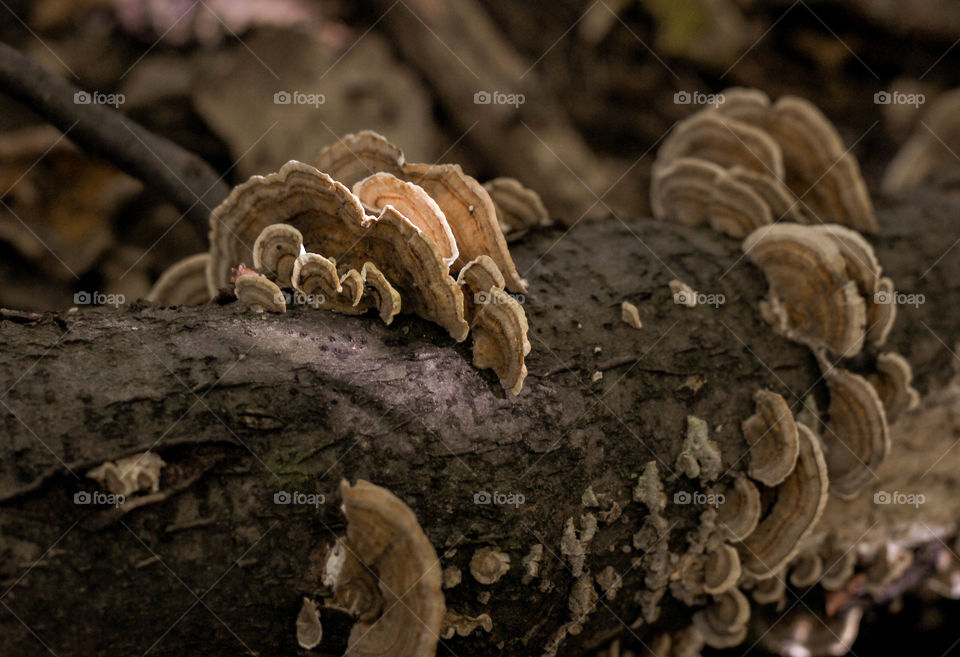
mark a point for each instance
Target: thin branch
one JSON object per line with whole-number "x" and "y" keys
{"x": 176, "y": 174}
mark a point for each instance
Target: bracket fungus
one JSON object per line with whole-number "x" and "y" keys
{"x": 796, "y": 508}
{"x": 353, "y": 157}
{"x": 893, "y": 383}
{"x": 466, "y": 205}
{"x": 811, "y": 299}
{"x": 721, "y": 570}
{"x": 315, "y": 275}
{"x": 740, "y": 511}
{"x": 497, "y": 321}
{"x": 694, "y": 192}
{"x": 857, "y": 438}
{"x": 488, "y": 565}
{"x": 518, "y": 208}
{"x": 333, "y": 223}
{"x": 707, "y": 135}
{"x": 771, "y": 590}
{"x": 806, "y": 569}
{"x": 771, "y": 435}
{"x": 723, "y": 623}
{"x": 184, "y": 283}
{"x": 817, "y": 166}
{"x": 748, "y": 162}
{"x": 387, "y": 556}
{"x": 259, "y": 293}
{"x": 275, "y": 250}
{"x": 393, "y": 245}
{"x": 383, "y": 189}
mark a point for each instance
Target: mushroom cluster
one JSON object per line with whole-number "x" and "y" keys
{"x": 768, "y": 172}
{"x": 748, "y": 162}
{"x": 361, "y": 230}
{"x": 827, "y": 292}
{"x": 385, "y": 573}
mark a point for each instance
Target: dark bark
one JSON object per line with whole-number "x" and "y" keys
{"x": 242, "y": 406}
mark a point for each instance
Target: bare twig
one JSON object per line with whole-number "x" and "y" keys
{"x": 178, "y": 175}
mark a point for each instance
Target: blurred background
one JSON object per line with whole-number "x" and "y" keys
{"x": 570, "y": 96}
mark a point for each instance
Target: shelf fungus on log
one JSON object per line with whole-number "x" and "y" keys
{"x": 882, "y": 313}
{"x": 275, "y": 250}
{"x": 723, "y": 623}
{"x": 387, "y": 574}
{"x": 893, "y": 383}
{"x": 857, "y": 438}
{"x": 259, "y": 293}
{"x": 784, "y": 206}
{"x": 465, "y": 204}
{"x": 315, "y": 276}
{"x": 771, "y": 590}
{"x": 771, "y": 435}
{"x": 786, "y": 154}
{"x": 818, "y": 168}
{"x": 811, "y": 299}
{"x": 184, "y": 283}
{"x": 518, "y": 208}
{"x": 721, "y": 570}
{"x": 333, "y": 223}
{"x": 497, "y": 322}
{"x": 806, "y": 569}
{"x": 383, "y": 189}
{"x": 740, "y": 511}
{"x": 796, "y": 507}
{"x": 696, "y": 192}
{"x": 864, "y": 270}
{"x": 353, "y": 157}
{"x": 307, "y": 230}
{"x": 707, "y": 135}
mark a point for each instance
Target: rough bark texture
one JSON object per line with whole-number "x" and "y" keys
{"x": 243, "y": 406}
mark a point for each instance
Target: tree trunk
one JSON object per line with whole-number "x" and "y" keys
{"x": 242, "y": 406}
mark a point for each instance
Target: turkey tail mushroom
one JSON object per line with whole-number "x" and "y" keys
{"x": 385, "y": 539}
